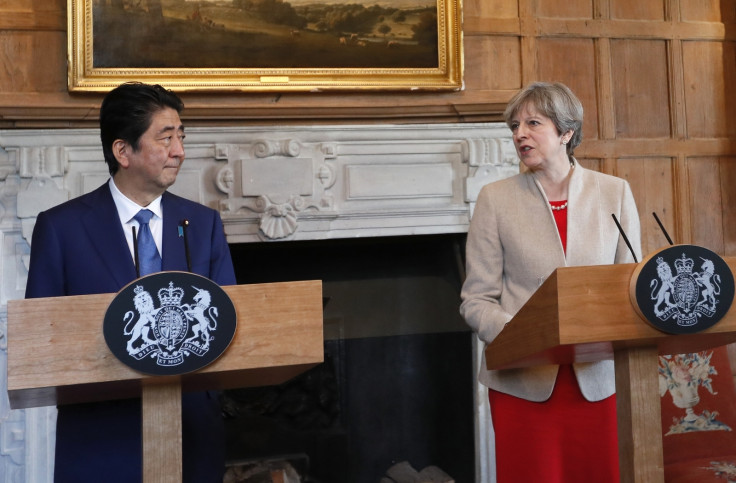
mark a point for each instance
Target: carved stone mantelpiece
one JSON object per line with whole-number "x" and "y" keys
{"x": 357, "y": 181}
{"x": 269, "y": 184}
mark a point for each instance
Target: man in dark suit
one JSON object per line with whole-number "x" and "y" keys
{"x": 86, "y": 246}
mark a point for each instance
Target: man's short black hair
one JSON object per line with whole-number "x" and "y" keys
{"x": 126, "y": 114}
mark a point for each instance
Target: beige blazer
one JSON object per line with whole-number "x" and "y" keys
{"x": 513, "y": 244}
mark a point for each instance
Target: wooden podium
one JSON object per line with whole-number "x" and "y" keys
{"x": 57, "y": 355}
{"x": 584, "y": 314}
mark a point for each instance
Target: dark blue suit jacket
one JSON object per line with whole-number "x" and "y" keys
{"x": 79, "y": 248}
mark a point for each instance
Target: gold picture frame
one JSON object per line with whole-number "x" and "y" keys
{"x": 241, "y": 45}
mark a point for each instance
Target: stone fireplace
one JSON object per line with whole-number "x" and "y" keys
{"x": 378, "y": 212}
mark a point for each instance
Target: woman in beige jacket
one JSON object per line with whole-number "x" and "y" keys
{"x": 554, "y": 214}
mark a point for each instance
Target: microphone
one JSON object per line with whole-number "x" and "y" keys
{"x": 626, "y": 239}
{"x": 661, "y": 227}
{"x": 183, "y": 233}
{"x": 135, "y": 254}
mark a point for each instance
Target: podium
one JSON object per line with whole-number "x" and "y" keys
{"x": 57, "y": 354}
{"x": 584, "y": 314}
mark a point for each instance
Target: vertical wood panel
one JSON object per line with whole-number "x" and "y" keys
{"x": 678, "y": 124}
{"x": 590, "y": 163}
{"x": 701, "y": 10}
{"x": 43, "y": 64}
{"x": 681, "y": 204}
{"x": 564, "y": 8}
{"x": 672, "y": 10}
{"x": 502, "y": 56}
{"x": 33, "y": 5}
{"x": 490, "y": 8}
{"x": 605, "y": 82}
{"x": 641, "y": 97}
{"x": 527, "y": 23}
{"x": 572, "y": 61}
{"x": 709, "y": 110}
{"x": 651, "y": 181}
{"x": 638, "y": 9}
{"x": 706, "y": 204}
{"x": 727, "y": 175}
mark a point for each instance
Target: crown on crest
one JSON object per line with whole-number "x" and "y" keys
{"x": 684, "y": 264}
{"x": 171, "y": 295}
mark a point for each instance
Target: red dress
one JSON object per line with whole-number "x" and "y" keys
{"x": 565, "y": 439}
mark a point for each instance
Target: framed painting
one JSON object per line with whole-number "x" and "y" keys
{"x": 266, "y": 45}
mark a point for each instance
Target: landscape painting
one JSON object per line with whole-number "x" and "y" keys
{"x": 266, "y": 44}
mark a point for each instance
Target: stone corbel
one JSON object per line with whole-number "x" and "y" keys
{"x": 41, "y": 165}
{"x": 490, "y": 160}
{"x": 326, "y": 172}
{"x": 44, "y": 161}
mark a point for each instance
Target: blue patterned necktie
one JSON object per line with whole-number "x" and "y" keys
{"x": 148, "y": 258}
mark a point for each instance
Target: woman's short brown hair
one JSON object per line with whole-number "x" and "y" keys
{"x": 555, "y": 101}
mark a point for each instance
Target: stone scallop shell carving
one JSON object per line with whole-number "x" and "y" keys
{"x": 278, "y": 221}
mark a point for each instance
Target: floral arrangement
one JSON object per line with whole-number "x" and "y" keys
{"x": 681, "y": 375}
{"x": 692, "y": 369}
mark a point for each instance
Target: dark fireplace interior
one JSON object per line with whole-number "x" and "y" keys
{"x": 397, "y": 382}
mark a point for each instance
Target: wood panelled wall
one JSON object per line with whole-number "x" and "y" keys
{"x": 656, "y": 78}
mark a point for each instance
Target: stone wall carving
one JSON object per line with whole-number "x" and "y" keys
{"x": 358, "y": 181}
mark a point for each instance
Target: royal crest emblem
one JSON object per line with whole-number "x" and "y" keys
{"x": 693, "y": 296}
{"x": 184, "y": 323}
{"x": 687, "y": 295}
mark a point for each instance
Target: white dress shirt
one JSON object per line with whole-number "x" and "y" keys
{"x": 127, "y": 209}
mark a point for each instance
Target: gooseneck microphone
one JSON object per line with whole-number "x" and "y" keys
{"x": 626, "y": 239}
{"x": 183, "y": 233}
{"x": 661, "y": 227}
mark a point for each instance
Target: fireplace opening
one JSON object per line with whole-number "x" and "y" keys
{"x": 397, "y": 382}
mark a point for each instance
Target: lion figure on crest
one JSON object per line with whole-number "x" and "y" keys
{"x": 663, "y": 292}
{"x": 142, "y": 327}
